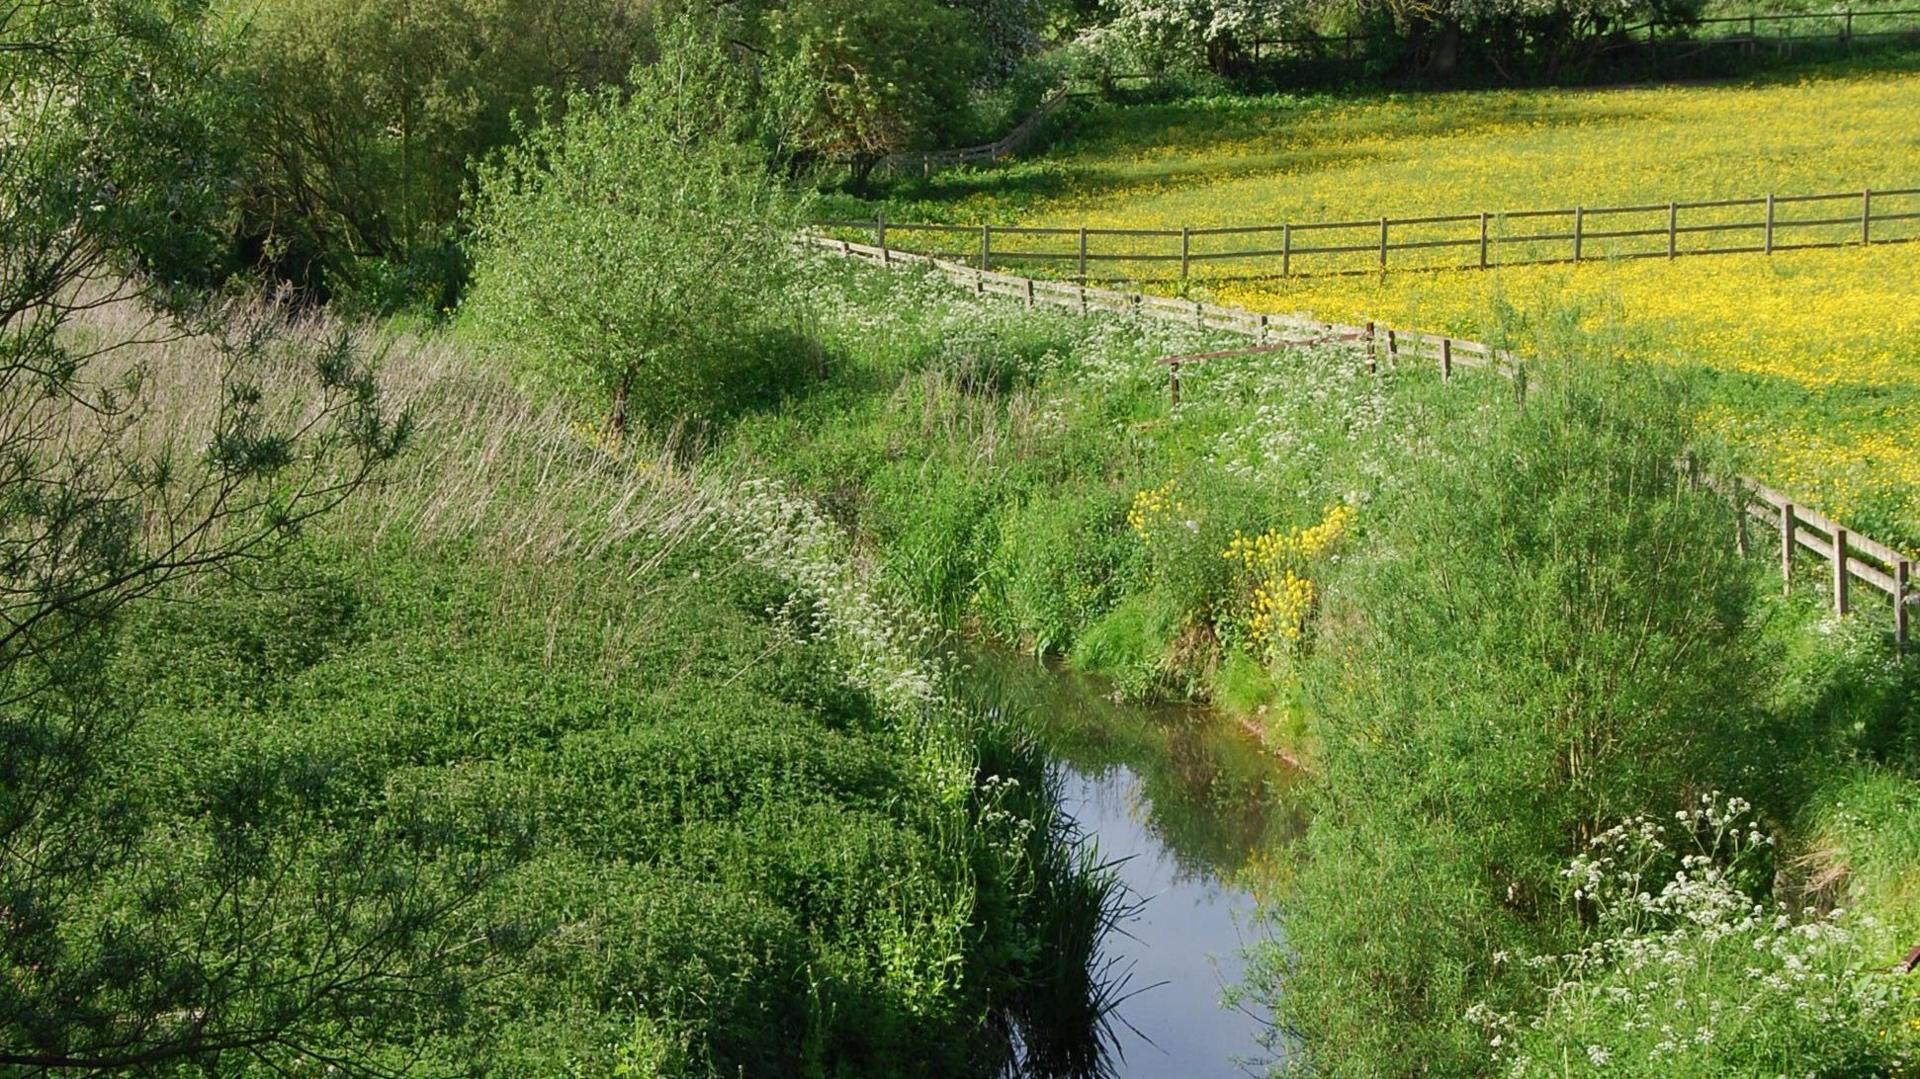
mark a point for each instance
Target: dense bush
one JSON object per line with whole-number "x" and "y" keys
{"x": 1536, "y": 646}
{"x": 359, "y": 124}
{"x": 632, "y": 249}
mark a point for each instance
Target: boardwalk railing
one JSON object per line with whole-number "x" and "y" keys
{"x": 1761, "y": 224}
{"x": 1851, "y": 556}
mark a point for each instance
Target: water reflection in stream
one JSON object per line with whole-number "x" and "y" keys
{"x": 1183, "y": 801}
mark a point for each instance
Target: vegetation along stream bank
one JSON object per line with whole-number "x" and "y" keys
{"x": 483, "y": 594}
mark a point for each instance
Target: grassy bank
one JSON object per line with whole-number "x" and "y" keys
{"x": 1530, "y": 683}
{"x": 1808, "y": 353}
{"x": 672, "y": 790}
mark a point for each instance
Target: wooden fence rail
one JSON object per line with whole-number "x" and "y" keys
{"x": 1850, "y": 556}
{"x": 1761, "y": 224}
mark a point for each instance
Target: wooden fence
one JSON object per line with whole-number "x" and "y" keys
{"x": 1750, "y": 34}
{"x": 1850, "y": 556}
{"x": 1761, "y": 224}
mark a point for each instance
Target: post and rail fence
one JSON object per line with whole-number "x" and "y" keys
{"x": 1850, "y": 556}
{"x": 1760, "y": 224}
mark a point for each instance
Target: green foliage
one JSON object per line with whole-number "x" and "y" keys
{"x": 1529, "y": 655}
{"x": 1686, "y": 972}
{"x": 1131, "y": 645}
{"x": 633, "y": 248}
{"x": 362, "y": 120}
{"x": 893, "y": 73}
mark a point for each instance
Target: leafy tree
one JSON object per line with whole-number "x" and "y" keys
{"x": 632, "y": 246}
{"x": 885, "y": 75}
{"x": 365, "y": 115}
{"x": 1216, "y": 32}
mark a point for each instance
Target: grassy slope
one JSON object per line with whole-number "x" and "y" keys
{"x": 1812, "y": 352}
{"x": 726, "y": 844}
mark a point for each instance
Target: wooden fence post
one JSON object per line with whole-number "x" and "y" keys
{"x": 1673, "y": 228}
{"x": 1083, "y": 254}
{"x": 1029, "y": 292}
{"x": 1866, "y": 217}
{"x": 1263, "y": 329}
{"x": 1393, "y": 346}
{"x": 1370, "y": 349}
{"x": 1769, "y": 234}
{"x": 1483, "y": 240}
{"x": 1839, "y": 570}
{"x": 1446, "y": 359}
{"x": 1786, "y": 549}
{"x": 1173, "y": 381}
{"x": 1902, "y": 570}
{"x": 986, "y": 246}
{"x": 1383, "y": 245}
{"x": 1579, "y": 229}
{"x": 1740, "y": 516}
{"x": 1186, "y": 244}
{"x": 1199, "y": 315}
{"x": 880, "y": 231}
{"x": 1286, "y": 250}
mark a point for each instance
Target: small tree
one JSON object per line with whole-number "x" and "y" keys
{"x": 632, "y": 247}
{"x": 888, "y": 75}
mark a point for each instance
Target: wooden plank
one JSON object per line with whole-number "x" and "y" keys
{"x": 1787, "y": 527}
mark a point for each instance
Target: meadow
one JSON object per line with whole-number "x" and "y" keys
{"x": 1810, "y": 353}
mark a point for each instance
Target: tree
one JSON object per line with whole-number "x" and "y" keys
{"x": 274, "y": 937}
{"x": 365, "y": 115}
{"x": 1215, "y": 32}
{"x": 886, "y": 75}
{"x": 631, "y": 246}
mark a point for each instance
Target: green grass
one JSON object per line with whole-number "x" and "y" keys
{"x": 1808, "y": 355}
{"x": 684, "y": 826}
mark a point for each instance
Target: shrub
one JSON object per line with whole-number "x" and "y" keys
{"x": 633, "y": 248}
{"x": 1535, "y": 644}
{"x": 1686, "y": 973}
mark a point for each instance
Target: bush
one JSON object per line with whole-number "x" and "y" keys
{"x": 636, "y": 248}
{"x": 1536, "y": 645}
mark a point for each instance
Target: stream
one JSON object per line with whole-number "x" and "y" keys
{"x": 1183, "y": 803}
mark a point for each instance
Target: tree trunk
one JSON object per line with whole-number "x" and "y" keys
{"x": 617, "y": 423}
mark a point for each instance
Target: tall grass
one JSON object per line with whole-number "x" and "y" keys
{"x": 757, "y": 836}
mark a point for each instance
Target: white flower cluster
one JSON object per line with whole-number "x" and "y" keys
{"x": 1684, "y": 956}
{"x": 884, "y": 645}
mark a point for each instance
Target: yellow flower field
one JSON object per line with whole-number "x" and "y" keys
{"x": 1815, "y": 354}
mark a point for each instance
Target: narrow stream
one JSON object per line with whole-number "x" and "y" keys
{"x": 1183, "y": 802}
